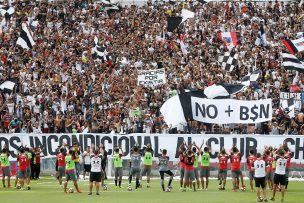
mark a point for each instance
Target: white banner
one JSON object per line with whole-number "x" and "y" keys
{"x": 224, "y": 111}
{"x": 297, "y": 98}
{"x": 50, "y": 142}
{"x": 151, "y": 78}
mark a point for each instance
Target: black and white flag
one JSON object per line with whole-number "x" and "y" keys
{"x": 228, "y": 61}
{"x": 291, "y": 62}
{"x": 193, "y": 106}
{"x": 25, "y": 39}
{"x": 222, "y": 90}
{"x": 288, "y": 106}
{"x": 253, "y": 77}
{"x": 7, "y": 11}
{"x": 100, "y": 52}
{"x": 261, "y": 39}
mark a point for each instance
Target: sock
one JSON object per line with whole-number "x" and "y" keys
{"x": 163, "y": 184}
{"x": 170, "y": 181}
{"x": 137, "y": 182}
{"x": 130, "y": 179}
{"x": 220, "y": 182}
{"x": 119, "y": 183}
{"x": 115, "y": 182}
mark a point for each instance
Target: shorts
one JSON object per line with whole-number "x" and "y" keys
{"x": 70, "y": 175}
{"x": 223, "y": 173}
{"x": 22, "y": 174}
{"x": 260, "y": 182}
{"x": 87, "y": 168}
{"x": 189, "y": 175}
{"x": 118, "y": 172}
{"x": 28, "y": 172}
{"x": 162, "y": 174}
{"x": 182, "y": 172}
{"x": 95, "y": 176}
{"x": 279, "y": 179}
{"x": 236, "y": 173}
{"x": 145, "y": 171}
{"x": 205, "y": 172}
{"x": 196, "y": 173}
{"x": 251, "y": 175}
{"x": 6, "y": 172}
{"x": 269, "y": 175}
{"x": 135, "y": 171}
{"x": 61, "y": 171}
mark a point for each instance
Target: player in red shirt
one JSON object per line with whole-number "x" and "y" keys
{"x": 61, "y": 165}
{"x": 181, "y": 164}
{"x": 289, "y": 155}
{"x": 235, "y": 159}
{"x": 23, "y": 164}
{"x": 250, "y": 160}
{"x": 269, "y": 170}
{"x": 223, "y": 158}
{"x": 189, "y": 176}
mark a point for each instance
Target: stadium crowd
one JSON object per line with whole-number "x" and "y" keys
{"x": 60, "y": 88}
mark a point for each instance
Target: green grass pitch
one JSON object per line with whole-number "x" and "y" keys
{"x": 47, "y": 190}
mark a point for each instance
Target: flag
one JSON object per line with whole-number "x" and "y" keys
{"x": 202, "y": 1}
{"x": 222, "y": 90}
{"x": 294, "y": 46}
{"x": 173, "y": 23}
{"x": 186, "y": 14}
{"x": 7, "y": 85}
{"x": 288, "y": 106}
{"x": 6, "y": 11}
{"x": 230, "y": 39}
{"x": 261, "y": 39}
{"x": 251, "y": 77}
{"x": 228, "y": 61}
{"x": 291, "y": 62}
{"x": 100, "y": 52}
{"x": 25, "y": 39}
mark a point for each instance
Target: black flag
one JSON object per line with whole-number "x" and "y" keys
{"x": 173, "y": 23}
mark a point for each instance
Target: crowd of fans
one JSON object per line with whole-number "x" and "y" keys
{"x": 60, "y": 88}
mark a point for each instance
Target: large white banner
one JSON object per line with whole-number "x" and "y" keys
{"x": 50, "y": 142}
{"x": 151, "y": 78}
{"x": 224, "y": 111}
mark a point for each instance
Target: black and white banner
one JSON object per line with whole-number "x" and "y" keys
{"x": 50, "y": 142}
{"x": 195, "y": 106}
{"x": 298, "y": 98}
{"x": 151, "y": 78}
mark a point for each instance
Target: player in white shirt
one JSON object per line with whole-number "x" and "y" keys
{"x": 259, "y": 167}
{"x": 280, "y": 174}
{"x": 96, "y": 172}
{"x": 86, "y": 162}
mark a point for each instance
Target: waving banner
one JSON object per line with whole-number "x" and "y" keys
{"x": 50, "y": 142}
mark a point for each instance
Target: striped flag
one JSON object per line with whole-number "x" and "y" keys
{"x": 294, "y": 46}
{"x": 25, "y": 39}
{"x": 222, "y": 90}
{"x": 230, "y": 39}
{"x": 291, "y": 62}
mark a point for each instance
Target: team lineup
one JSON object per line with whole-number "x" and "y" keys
{"x": 269, "y": 168}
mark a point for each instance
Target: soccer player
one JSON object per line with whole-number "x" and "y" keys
{"x": 235, "y": 159}
{"x": 135, "y": 166}
{"x": 195, "y": 165}
{"x": 146, "y": 170}
{"x": 76, "y": 151}
{"x": 289, "y": 156}
{"x": 250, "y": 159}
{"x": 269, "y": 170}
{"x": 259, "y": 166}
{"x": 163, "y": 169}
{"x": 181, "y": 164}
{"x": 23, "y": 165}
{"x": 118, "y": 170}
{"x": 70, "y": 170}
{"x": 280, "y": 174}
{"x": 31, "y": 155}
{"x": 189, "y": 176}
{"x": 95, "y": 172}
{"x": 223, "y": 158}
{"x": 5, "y": 165}
{"x": 205, "y": 166}
{"x": 87, "y": 162}
{"x": 61, "y": 165}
